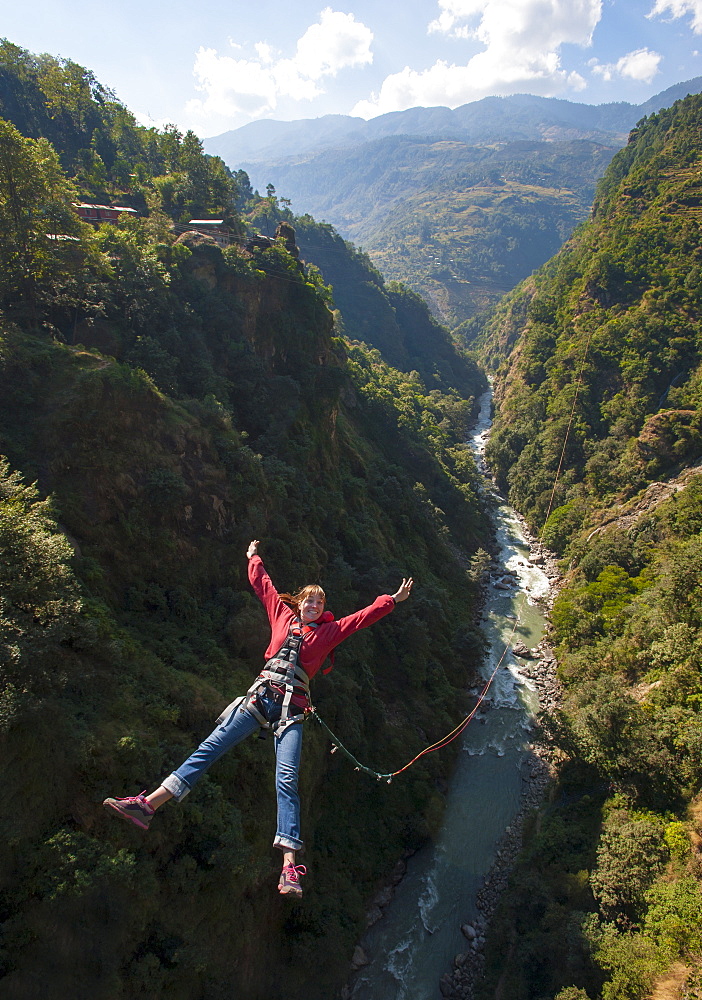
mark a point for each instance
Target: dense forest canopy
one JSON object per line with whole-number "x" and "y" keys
{"x": 164, "y": 400}
{"x": 615, "y": 314}
{"x": 597, "y": 362}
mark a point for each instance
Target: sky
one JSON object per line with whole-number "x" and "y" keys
{"x": 213, "y": 66}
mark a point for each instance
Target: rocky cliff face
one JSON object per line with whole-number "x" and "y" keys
{"x": 225, "y": 410}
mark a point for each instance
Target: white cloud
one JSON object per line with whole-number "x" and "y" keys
{"x": 641, "y": 65}
{"x": 679, "y": 8}
{"x": 452, "y": 13}
{"x": 337, "y": 42}
{"x": 145, "y": 119}
{"x": 264, "y": 52}
{"x": 521, "y": 42}
{"x": 235, "y": 86}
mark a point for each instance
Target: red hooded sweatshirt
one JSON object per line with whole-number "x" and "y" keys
{"x": 318, "y": 643}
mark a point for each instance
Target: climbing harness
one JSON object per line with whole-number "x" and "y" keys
{"x": 282, "y": 675}
{"x": 312, "y": 712}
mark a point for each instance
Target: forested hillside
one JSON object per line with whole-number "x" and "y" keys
{"x": 597, "y": 439}
{"x": 162, "y": 402}
{"x": 101, "y": 147}
{"x": 460, "y": 224}
{"x": 385, "y": 315}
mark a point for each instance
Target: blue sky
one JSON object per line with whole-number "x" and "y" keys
{"x": 214, "y": 65}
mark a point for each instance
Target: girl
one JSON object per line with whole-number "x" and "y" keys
{"x": 302, "y": 636}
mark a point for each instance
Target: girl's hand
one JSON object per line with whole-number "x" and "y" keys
{"x": 403, "y": 590}
{"x": 252, "y": 549}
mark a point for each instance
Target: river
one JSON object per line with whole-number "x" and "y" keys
{"x": 416, "y": 940}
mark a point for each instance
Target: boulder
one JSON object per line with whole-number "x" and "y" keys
{"x": 359, "y": 958}
{"x": 286, "y": 232}
{"x": 446, "y": 985}
{"x": 383, "y": 897}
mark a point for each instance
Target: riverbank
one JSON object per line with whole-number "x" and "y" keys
{"x": 539, "y": 668}
{"x": 536, "y": 668}
{"x": 433, "y": 915}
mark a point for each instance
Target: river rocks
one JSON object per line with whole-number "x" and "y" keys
{"x": 469, "y": 932}
{"x": 359, "y": 958}
{"x": 543, "y": 676}
{"x": 446, "y": 986}
{"x": 383, "y": 897}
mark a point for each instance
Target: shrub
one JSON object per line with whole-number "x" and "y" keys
{"x": 674, "y": 917}
{"x": 631, "y": 853}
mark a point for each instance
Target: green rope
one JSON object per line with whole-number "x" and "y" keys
{"x": 340, "y": 746}
{"x": 439, "y": 745}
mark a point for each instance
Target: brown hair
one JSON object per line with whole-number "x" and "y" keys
{"x": 297, "y": 598}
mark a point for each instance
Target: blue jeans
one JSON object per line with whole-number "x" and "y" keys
{"x": 234, "y": 729}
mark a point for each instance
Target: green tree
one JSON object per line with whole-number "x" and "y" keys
{"x": 632, "y": 961}
{"x": 43, "y": 238}
{"x": 631, "y": 853}
{"x": 40, "y": 602}
{"x": 674, "y": 917}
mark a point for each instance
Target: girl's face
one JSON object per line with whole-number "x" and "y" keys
{"x": 311, "y": 608}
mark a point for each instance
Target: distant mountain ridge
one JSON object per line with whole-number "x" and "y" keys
{"x": 460, "y": 205}
{"x": 520, "y": 116}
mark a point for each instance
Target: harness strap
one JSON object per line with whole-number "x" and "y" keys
{"x": 284, "y": 670}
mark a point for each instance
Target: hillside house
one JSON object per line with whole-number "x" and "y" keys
{"x": 215, "y": 228}
{"x": 96, "y": 214}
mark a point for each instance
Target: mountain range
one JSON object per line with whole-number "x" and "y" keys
{"x": 459, "y": 204}
{"x": 492, "y": 119}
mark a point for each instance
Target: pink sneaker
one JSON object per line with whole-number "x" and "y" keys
{"x": 134, "y": 808}
{"x": 289, "y": 882}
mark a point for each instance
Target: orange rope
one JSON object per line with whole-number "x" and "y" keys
{"x": 338, "y": 745}
{"x": 462, "y": 725}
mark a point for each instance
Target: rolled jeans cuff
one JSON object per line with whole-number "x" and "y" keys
{"x": 287, "y": 844}
{"x": 176, "y": 786}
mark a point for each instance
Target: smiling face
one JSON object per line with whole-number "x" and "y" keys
{"x": 311, "y": 607}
